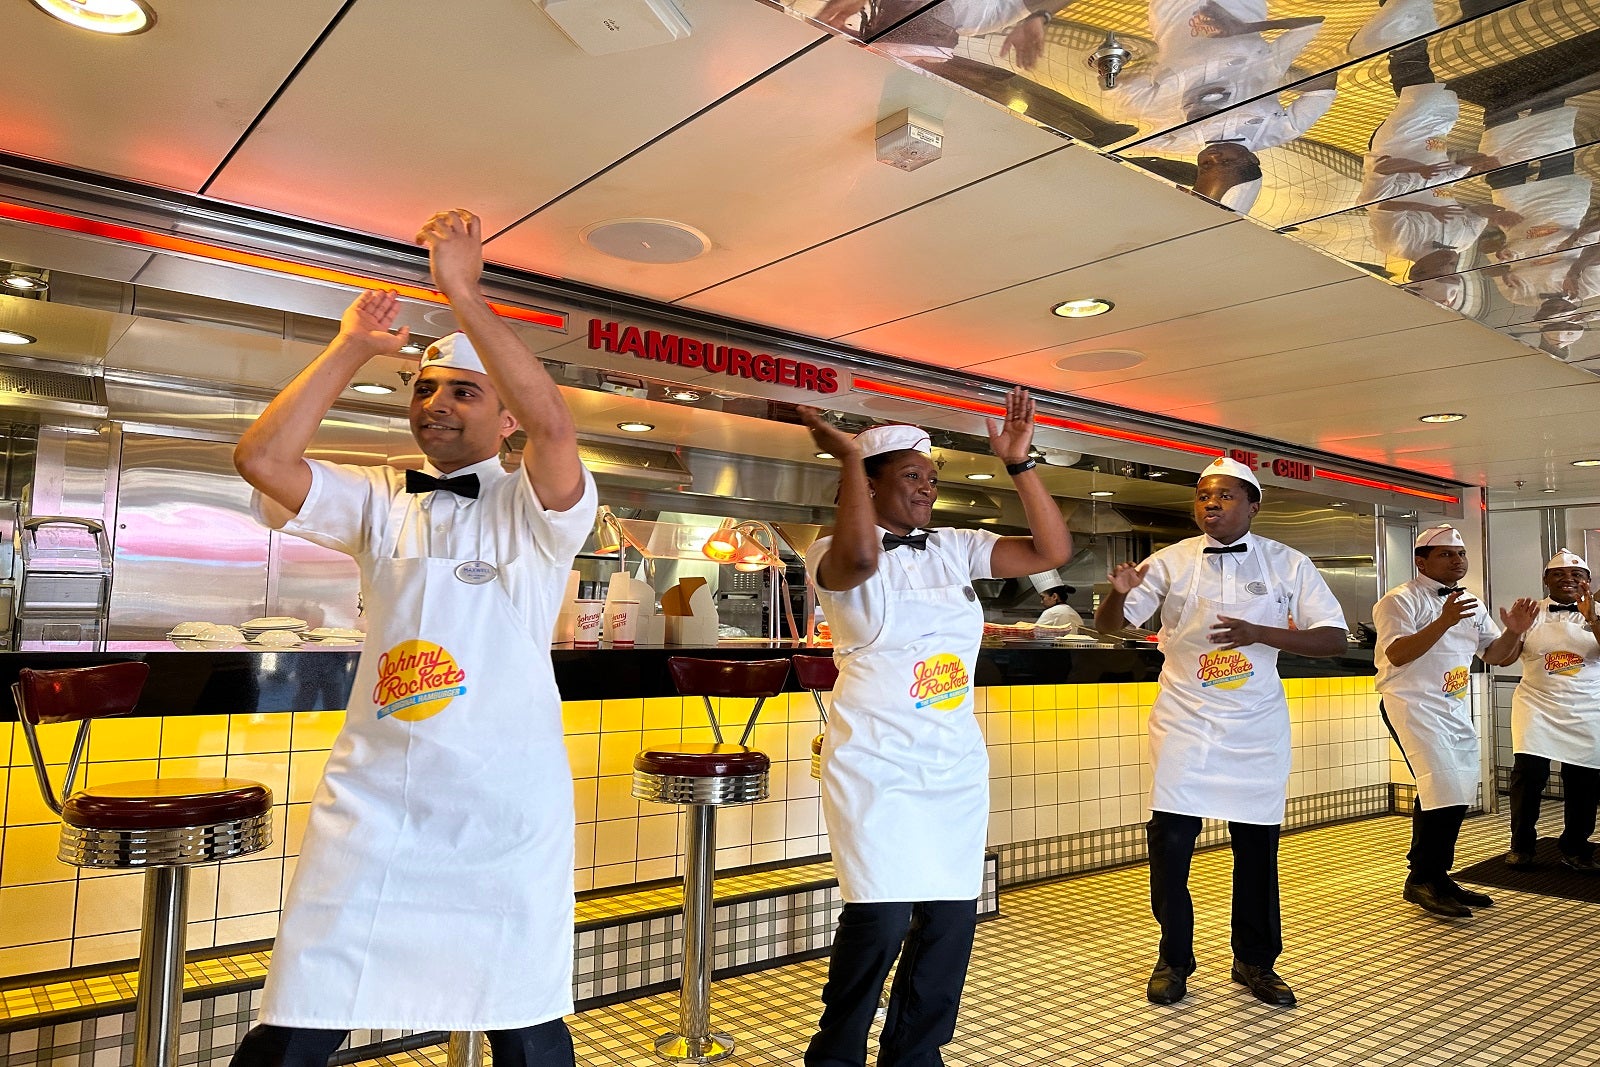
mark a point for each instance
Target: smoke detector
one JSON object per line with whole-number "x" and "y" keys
{"x": 603, "y": 27}
{"x": 909, "y": 139}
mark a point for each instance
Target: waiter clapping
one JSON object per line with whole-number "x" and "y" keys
{"x": 905, "y": 770}
{"x": 1555, "y": 715}
{"x": 1428, "y": 631}
{"x": 1219, "y": 729}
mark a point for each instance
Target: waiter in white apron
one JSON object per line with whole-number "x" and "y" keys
{"x": 434, "y": 887}
{"x": 905, "y": 771}
{"x": 1428, "y": 631}
{"x": 1555, "y": 715}
{"x": 1219, "y": 729}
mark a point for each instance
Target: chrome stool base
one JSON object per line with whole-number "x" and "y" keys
{"x": 688, "y": 789}
{"x": 84, "y": 846}
{"x": 713, "y": 1047}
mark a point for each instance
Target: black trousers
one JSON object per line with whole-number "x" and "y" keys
{"x": 1434, "y": 832}
{"x": 1257, "y": 923}
{"x": 545, "y": 1045}
{"x": 933, "y": 940}
{"x": 1581, "y": 785}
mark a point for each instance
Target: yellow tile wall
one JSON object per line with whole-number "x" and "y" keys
{"x": 1064, "y": 758}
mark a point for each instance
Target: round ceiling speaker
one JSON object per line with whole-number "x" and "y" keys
{"x": 1108, "y": 359}
{"x": 647, "y": 240}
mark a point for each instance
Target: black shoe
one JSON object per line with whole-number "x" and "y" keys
{"x": 1264, "y": 983}
{"x": 1519, "y": 861}
{"x": 1470, "y": 897}
{"x": 1581, "y": 864}
{"x": 1168, "y": 984}
{"x": 1432, "y": 899}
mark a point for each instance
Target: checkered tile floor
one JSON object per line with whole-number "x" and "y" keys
{"x": 601, "y": 905}
{"x": 117, "y": 988}
{"x": 1059, "y": 978}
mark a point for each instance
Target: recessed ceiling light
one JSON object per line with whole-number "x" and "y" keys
{"x": 979, "y": 477}
{"x": 688, "y": 396}
{"x": 1086, "y": 308}
{"x": 1443, "y": 416}
{"x": 12, "y": 337}
{"x": 119, "y": 17}
{"x": 1586, "y": 463}
{"x": 824, "y": 455}
{"x": 1547, "y": 490}
{"x": 1102, "y": 492}
{"x": 376, "y": 388}
{"x": 25, "y": 283}
{"x": 636, "y": 427}
{"x": 1337, "y": 504}
{"x": 413, "y": 348}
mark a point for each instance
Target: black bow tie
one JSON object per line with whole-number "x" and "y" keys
{"x": 918, "y": 541}
{"x": 464, "y": 485}
{"x": 1446, "y": 590}
{"x": 1563, "y": 607}
{"x": 1213, "y": 550}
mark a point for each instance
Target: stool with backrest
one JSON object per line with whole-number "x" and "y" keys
{"x": 704, "y": 778}
{"x": 818, "y": 674}
{"x": 163, "y": 826}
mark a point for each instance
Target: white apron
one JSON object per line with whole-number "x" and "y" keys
{"x": 434, "y": 888}
{"x": 1219, "y": 728}
{"x": 1428, "y": 707}
{"x": 905, "y": 771}
{"x": 1555, "y": 710}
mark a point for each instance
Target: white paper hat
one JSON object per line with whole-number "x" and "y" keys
{"x": 1045, "y": 581}
{"x": 892, "y": 438}
{"x": 1233, "y": 469}
{"x": 1242, "y": 197}
{"x": 1440, "y": 535}
{"x": 1565, "y": 557}
{"x": 453, "y": 350}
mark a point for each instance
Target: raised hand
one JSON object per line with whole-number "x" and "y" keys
{"x": 1586, "y": 601}
{"x": 1519, "y": 619}
{"x": 828, "y": 437}
{"x": 1457, "y": 606}
{"x": 1125, "y": 577}
{"x": 454, "y": 240}
{"x": 1010, "y": 439}
{"x": 366, "y": 323}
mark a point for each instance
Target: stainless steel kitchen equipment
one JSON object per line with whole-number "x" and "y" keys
{"x": 64, "y": 590}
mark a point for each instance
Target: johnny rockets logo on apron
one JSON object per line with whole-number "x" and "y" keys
{"x": 416, "y": 680}
{"x": 1219, "y": 728}
{"x": 941, "y": 682}
{"x": 434, "y": 887}
{"x": 1555, "y": 709}
{"x": 1562, "y": 662}
{"x": 1456, "y": 680}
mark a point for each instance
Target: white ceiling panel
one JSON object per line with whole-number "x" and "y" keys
{"x": 414, "y": 106}
{"x": 162, "y": 107}
{"x": 788, "y": 163}
{"x": 1112, "y": 210}
{"x": 1217, "y": 268}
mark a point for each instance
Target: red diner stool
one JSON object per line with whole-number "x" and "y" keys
{"x": 704, "y": 778}
{"x": 818, "y": 674}
{"x": 163, "y": 826}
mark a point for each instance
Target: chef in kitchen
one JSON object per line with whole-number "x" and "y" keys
{"x": 1429, "y": 629}
{"x": 1555, "y": 715}
{"x": 905, "y": 771}
{"x": 1219, "y": 728}
{"x": 434, "y": 887}
{"x": 1057, "y": 612}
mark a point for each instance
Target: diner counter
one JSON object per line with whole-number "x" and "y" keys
{"x": 240, "y": 681}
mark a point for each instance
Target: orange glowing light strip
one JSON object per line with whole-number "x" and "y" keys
{"x": 1386, "y": 486}
{"x": 131, "y": 235}
{"x": 906, "y": 392}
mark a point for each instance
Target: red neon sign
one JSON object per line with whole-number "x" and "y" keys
{"x": 1387, "y": 486}
{"x": 131, "y": 235}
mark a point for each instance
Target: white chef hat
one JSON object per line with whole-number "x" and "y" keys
{"x": 1233, "y": 469}
{"x": 453, "y": 350}
{"x": 1565, "y": 557}
{"x": 1444, "y": 534}
{"x": 893, "y": 437}
{"x": 1242, "y": 197}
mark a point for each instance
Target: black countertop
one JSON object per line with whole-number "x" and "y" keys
{"x": 244, "y": 682}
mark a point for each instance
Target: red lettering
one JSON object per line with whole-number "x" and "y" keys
{"x": 805, "y": 375}
{"x": 1247, "y": 458}
{"x": 763, "y": 368}
{"x": 739, "y": 362}
{"x": 661, "y": 347}
{"x": 603, "y": 335}
{"x": 690, "y": 352}
{"x": 631, "y": 344}
{"x": 714, "y": 358}
{"x": 827, "y": 380}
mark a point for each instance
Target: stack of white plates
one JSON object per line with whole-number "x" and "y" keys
{"x": 277, "y": 631}
{"x": 203, "y": 635}
{"x": 334, "y": 635}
